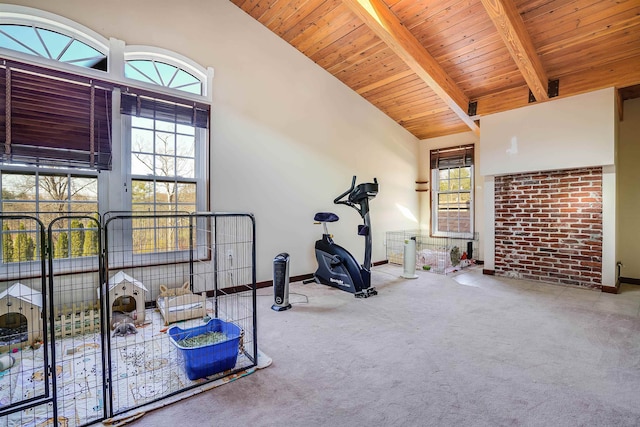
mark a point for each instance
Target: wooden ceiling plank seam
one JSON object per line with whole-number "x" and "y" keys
{"x": 572, "y": 11}
{"x": 395, "y": 93}
{"x": 491, "y": 66}
{"x": 510, "y": 26}
{"x": 445, "y": 132}
{"x": 408, "y": 101}
{"x": 386, "y": 59}
{"x": 442, "y": 13}
{"x": 342, "y": 64}
{"x": 413, "y": 109}
{"x": 261, "y": 7}
{"x": 423, "y": 113}
{"x": 323, "y": 9}
{"x": 427, "y": 102}
{"x": 354, "y": 56}
{"x": 384, "y": 97}
{"x": 246, "y": 5}
{"x": 300, "y": 17}
{"x": 587, "y": 27}
{"x": 486, "y": 39}
{"x": 324, "y": 30}
{"x": 386, "y": 81}
{"x": 489, "y": 59}
{"x": 349, "y": 48}
{"x": 285, "y": 15}
{"x": 380, "y": 19}
{"x": 530, "y": 6}
{"x": 598, "y": 55}
{"x": 311, "y": 34}
{"x": 241, "y": 3}
{"x": 439, "y": 35}
{"x": 330, "y": 36}
{"x": 434, "y": 119}
{"x": 410, "y": 80}
{"x": 491, "y": 62}
{"x": 405, "y": 114}
{"x": 548, "y": 8}
{"x": 612, "y": 48}
{"x": 357, "y": 78}
{"x": 361, "y": 74}
{"x": 478, "y": 88}
{"x": 276, "y": 10}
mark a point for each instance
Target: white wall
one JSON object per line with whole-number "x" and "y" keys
{"x": 424, "y": 157}
{"x": 567, "y": 133}
{"x": 574, "y": 132}
{"x": 628, "y": 193}
{"x": 286, "y": 136}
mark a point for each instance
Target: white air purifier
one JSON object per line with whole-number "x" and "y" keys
{"x": 409, "y": 260}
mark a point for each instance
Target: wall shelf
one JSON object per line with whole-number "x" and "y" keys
{"x": 419, "y": 183}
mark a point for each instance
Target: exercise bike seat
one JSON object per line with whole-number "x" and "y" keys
{"x": 326, "y": 217}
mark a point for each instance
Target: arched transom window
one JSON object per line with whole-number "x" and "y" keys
{"x": 162, "y": 74}
{"x": 51, "y": 44}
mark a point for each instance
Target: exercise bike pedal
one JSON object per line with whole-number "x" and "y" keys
{"x": 367, "y": 293}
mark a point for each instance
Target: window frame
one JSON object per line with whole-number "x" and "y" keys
{"x": 63, "y": 265}
{"x": 436, "y": 192}
{"x": 201, "y": 179}
{"x": 111, "y": 197}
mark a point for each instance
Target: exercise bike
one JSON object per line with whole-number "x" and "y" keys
{"x": 336, "y": 266}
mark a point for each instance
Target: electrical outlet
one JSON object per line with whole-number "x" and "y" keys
{"x": 229, "y": 253}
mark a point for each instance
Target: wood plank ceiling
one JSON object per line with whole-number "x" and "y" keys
{"x": 424, "y": 63}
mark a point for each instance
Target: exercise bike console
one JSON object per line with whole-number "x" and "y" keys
{"x": 336, "y": 266}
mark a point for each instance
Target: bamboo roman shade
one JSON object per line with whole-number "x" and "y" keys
{"x": 446, "y": 158}
{"x": 51, "y": 118}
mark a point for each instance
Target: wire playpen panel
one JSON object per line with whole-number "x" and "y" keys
{"x": 440, "y": 255}
{"x": 174, "y": 270}
{"x": 26, "y": 391}
{"x": 102, "y": 339}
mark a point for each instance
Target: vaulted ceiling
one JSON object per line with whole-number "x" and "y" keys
{"x": 437, "y": 66}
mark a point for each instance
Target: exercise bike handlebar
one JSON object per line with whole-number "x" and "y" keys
{"x": 337, "y": 200}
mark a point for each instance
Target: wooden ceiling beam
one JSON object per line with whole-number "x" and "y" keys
{"x": 377, "y": 16}
{"x": 511, "y": 28}
{"x": 621, "y": 73}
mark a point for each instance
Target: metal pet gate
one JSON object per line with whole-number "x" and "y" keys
{"x": 433, "y": 253}
{"x": 90, "y": 310}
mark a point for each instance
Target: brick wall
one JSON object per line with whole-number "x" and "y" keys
{"x": 549, "y": 226}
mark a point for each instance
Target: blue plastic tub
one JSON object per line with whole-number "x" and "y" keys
{"x": 200, "y": 362}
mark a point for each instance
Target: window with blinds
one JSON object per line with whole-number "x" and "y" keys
{"x": 452, "y": 192}
{"x": 51, "y": 118}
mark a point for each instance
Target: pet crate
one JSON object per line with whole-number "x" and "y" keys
{"x": 204, "y": 360}
{"x": 440, "y": 255}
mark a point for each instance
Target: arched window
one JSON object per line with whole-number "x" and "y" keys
{"x": 159, "y": 73}
{"x": 51, "y": 45}
{"x": 164, "y": 68}
{"x": 52, "y": 38}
